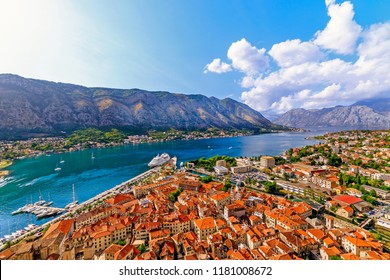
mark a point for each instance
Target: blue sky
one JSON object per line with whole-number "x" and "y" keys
{"x": 168, "y": 45}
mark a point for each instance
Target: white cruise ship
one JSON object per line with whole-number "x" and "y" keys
{"x": 159, "y": 160}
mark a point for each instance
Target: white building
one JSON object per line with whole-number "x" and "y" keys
{"x": 220, "y": 170}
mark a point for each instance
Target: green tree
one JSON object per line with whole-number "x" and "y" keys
{"x": 227, "y": 186}
{"x": 335, "y": 160}
{"x": 271, "y": 187}
{"x": 206, "y": 179}
{"x": 121, "y": 242}
{"x": 174, "y": 195}
{"x": 279, "y": 160}
{"x": 141, "y": 248}
{"x": 7, "y": 245}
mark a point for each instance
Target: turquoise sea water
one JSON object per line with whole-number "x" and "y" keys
{"x": 32, "y": 177}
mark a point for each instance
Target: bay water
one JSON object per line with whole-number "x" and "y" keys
{"x": 93, "y": 171}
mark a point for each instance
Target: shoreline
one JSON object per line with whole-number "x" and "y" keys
{"x": 113, "y": 145}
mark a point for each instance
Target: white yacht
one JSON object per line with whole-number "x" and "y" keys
{"x": 31, "y": 227}
{"x": 74, "y": 201}
{"x": 159, "y": 160}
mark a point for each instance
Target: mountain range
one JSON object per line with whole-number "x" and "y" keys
{"x": 365, "y": 114}
{"x": 31, "y": 107}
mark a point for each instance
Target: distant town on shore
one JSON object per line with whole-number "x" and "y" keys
{"x": 95, "y": 138}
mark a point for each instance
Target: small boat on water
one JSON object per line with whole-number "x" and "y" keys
{"x": 31, "y": 227}
{"x": 57, "y": 169}
{"x": 74, "y": 201}
{"x": 49, "y": 213}
{"x": 62, "y": 161}
{"x": 71, "y": 205}
{"x": 43, "y": 214}
{"x": 16, "y": 234}
{"x": 20, "y": 232}
{"x": 49, "y": 202}
{"x": 8, "y": 237}
{"x": 20, "y": 210}
{"x": 40, "y": 202}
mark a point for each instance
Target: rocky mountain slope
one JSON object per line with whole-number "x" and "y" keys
{"x": 30, "y": 106}
{"x": 380, "y": 105}
{"x": 343, "y": 117}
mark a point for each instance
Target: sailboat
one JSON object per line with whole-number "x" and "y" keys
{"x": 57, "y": 168}
{"x": 74, "y": 201}
{"x": 41, "y": 201}
{"x": 49, "y": 202}
{"x": 62, "y": 161}
{"x": 92, "y": 156}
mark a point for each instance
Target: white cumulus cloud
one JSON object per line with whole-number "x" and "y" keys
{"x": 342, "y": 32}
{"x": 217, "y": 66}
{"x": 246, "y": 58}
{"x": 293, "y": 52}
{"x": 306, "y": 77}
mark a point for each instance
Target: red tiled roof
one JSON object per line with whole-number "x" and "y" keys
{"x": 62, "y": 226}
{"x": 122, "y": 254}
{"x": 112, "y": 249}
{"x": 332, "y": 251}
{"x": 6, "y": 254}
{"x": 100, "y": 234}
{"x": 349, "y": 257}
{"x": 191, "y": 257}
{"x": 205, "y": 223}
{"x": 347, "y": 199}
{"x": 357, "y": 242}
{"x": 348, "y": 209}
{"x": 317, "y": 233}
{"x": 219, "y": 196}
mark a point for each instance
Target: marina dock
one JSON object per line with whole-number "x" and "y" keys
{"x": 40, "y": 211}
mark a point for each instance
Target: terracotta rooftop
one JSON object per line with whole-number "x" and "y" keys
{"x": 357, "y": 242}
{"x": 348, "y": 199}
{"x": 205, "y": 223}
{"x": 6, "y": 254}
{"x": 219, "y": 196}
{"x": 332, "y": 251}
{"x": 349, "y": 257}
{"x": 100, "y": 234}
{"x": 125, "y": 251}
{"x": 316, "y": 233}
{"x": 112, "y": 249}
{"x": 63, "y": 226}
{"x": 348, "y": 209}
